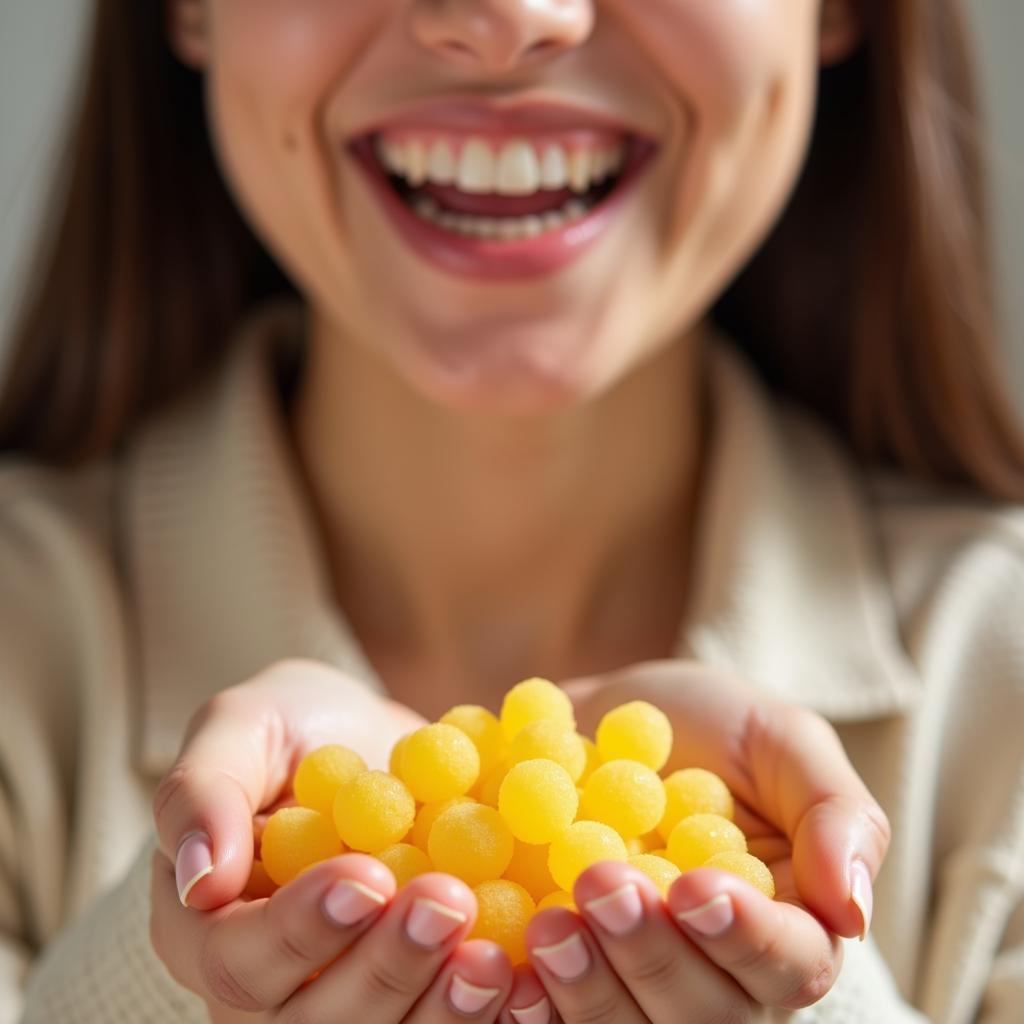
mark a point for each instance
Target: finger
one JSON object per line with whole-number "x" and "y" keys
{"x": 569, "y": 962}
{"x": 668, "y": 977}
{"x": 232, "y": 763}
{"x": 396, "y": 961}
{"x": 472, "y": 985}
{"x": 779, "y": 953}
{"x": 527, "y": 1002}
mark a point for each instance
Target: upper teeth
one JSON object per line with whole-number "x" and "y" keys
{"x": 517, "y": 168}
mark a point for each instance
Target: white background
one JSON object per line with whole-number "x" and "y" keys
{"x": 41, "y": 40}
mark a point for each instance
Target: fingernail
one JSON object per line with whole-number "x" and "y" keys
{"x": 192, "y": 864}
{"x": 539, "y": 1013}
{"x": 711, "y": 918}
{"x": 861, "y": 894}
{"x": 618, "y": 912}
{"x": 347, "y": 902}
{"x": 430, "y": 923}
{"x": 567, "y": 960}
{"x": 468, "y": 998}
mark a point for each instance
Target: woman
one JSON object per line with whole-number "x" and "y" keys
{"x": 512, "y": 414}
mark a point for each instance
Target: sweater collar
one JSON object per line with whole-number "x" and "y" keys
{"x": 227, "y": 573}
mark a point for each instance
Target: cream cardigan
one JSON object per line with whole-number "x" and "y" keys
{"x": 133, "y": 589}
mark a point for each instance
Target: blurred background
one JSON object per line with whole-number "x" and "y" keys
{"x": 40, "y": 42}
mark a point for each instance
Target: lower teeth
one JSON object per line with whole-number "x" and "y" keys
{"x": 507, "y": 229}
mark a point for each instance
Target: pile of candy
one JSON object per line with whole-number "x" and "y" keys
{"x": 516, "y": 806}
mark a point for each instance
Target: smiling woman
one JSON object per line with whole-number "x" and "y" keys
{"x": 385, "y": 353}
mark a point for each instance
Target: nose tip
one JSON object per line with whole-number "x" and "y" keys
{"x": 500, "y": 35}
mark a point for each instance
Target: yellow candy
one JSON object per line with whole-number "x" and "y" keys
{"x": 405, "y": 862}
{"x": 637, "y": 731}
{"x": 747, "y": 867}
{"x": 419, "y": 834}
{"x": 503, "y": 911}
{"x": 626, "y": 795}
{"x": 635, "y": 846}
{"x": 372, "y": 811}
{"x": 583, "y": 843}
{"x": 438, "y": 762}
{"x": 487, "y": 789}
{"x": 260, "y": 885}
{"x": 694, "y": 791}
{"x": 483, "y": 729}
{"x": 295, "y": 838}
{"x": 538, "y": 800}
{"x": 552, "y": 741}
{"x": 529, "y": 868}
{"x": 533, "y": 700}
{"x": 322, "y": 773}
{"x": 395, "y": 761}
{"x": 699, "y": 837}
{"x": 472, "y": 842}
{"x": 558, "y": 898}
{"x": 660, "y": 871}
{"x": 593, "y": 761}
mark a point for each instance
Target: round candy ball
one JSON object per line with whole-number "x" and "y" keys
{"x": 405, "y": 862}
{"x": 583, "y": 843}
{"x": 372, "y": 811}
{"x": 504, "y": 910}
{"x": 322, "y": 773}
{"x": 538, "y": 800}
{"x": 627, "y": 795}
{"x": 552, "y": 741}
{"x": 746, "y": 866}
{"x": 637, "y": 731}
{"x": 660, "y": 871}
{"x": 532, "y": 700}
{"x": 295, "y": 838}
{"x": 694, "y": 791}
{"x": 558, "y": 898}
{"x": 699, "y": 837}
{"x": 419, "y": 834}
{"x": 529, "y": 868}
{"x": 438, "y": 762}
{"x": 472, "y": 842}
{"x": 483, "y": 729}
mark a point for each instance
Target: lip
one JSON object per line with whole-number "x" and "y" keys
{"x": 492, "y": 260}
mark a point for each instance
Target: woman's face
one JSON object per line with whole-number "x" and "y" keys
{"x": 699, "y": 111}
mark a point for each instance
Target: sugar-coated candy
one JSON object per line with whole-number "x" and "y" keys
{"x": 483, "y": 729}
{"x": 322, "y": 773}
{"x": 637, "y": 731}
{"x": 503, "y": 911}
{"x": 487, "y": 789}
{"x": 538, "y": 800}
{"x": 533, "y": 700}
{"x": 550, "y": 740}
{"x": 700, "y": 836}
{"x": 593, "y": 759}
{"x": 627, "y": 795}
{"x": 746, "y": 866}
{"x": 529, "y": 868}
{"x": 583, "y": 843}
{"x": 419, "y": 834}
{"x": 395, "y": 760}
{"x": 472, "y": 842}
{"x": 405, "y": 862}
{"x": 260, "y": 884}
{"x": 438, "y": 762}
{"x": 372, "y": 811}
{"x": 558, "y": 898}
{"x": 694, "y": 791}
{"x": 295, "y": 838}
{"x": 659, "y": 870}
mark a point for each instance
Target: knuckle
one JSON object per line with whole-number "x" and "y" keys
{"x": 606, "y": 1009}
{"x": 811, "y": 988}
{"x": 658, "y": 974}
{"x": 762, "y": 958}
{"x": 228, "y": 985}
{"x": 175, "y": 787}
{"x": 384, "y": 982}
{"x": 292, "y": 943}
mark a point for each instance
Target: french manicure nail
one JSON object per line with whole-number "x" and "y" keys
{"x": 567, "y": 960}
{"x": 192, "y": 864}
{"x": 711, "y": 918}
{"x": 348, "y": 902}
{"x": 861, "y": 894}
{"x": 538, "y": 1013}
{"x": 430, "y": 924}
{"x": 468, "y": 998}
{"x": 619, "y": 911}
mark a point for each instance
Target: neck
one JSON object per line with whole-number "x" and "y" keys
{"x": 482, "y": 549}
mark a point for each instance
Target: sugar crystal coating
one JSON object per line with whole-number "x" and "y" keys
{"x": 529, "y": 868}
{"x": 538, "y": 800}
{"x": 660, "y": 871}
{"x": 700, "y": 836}
{"x": 532, "y": 700}
{"x": 395, "y": 760}
{"x": 322, "y": 773}
{"x": 295, "y": 838}
{"x": 627, "y": 795}
{"x": 405, "y": 862}
{"x": 583, "y": 843}
{"x": 419, "y": 834}
{"x": 504, "y": 910}
{"x": 472, "y": 842}
{"x": 552, "y": 741}
{"x": 438, "y": 762}
{"x": 694, "y": 791}
{"x": 483, "y": 729}
{"x": 746, "y": 866}
{"x": 637, "y": 731}
{"x": 372, "y": 811}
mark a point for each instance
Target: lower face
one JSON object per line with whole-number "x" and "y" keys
{"x": 493, "y": 293}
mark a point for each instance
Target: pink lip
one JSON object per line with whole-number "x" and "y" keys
{"x": 490, "y": 260}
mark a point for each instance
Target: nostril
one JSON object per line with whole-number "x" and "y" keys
{"x": 454, "y": 46}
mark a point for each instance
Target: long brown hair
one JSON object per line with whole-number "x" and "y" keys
{"x": 871, "y": 302}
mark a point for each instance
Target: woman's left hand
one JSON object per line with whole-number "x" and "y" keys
{"x": 716, "y": 948}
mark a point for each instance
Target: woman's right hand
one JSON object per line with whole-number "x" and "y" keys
{"x": 403, "y": 958}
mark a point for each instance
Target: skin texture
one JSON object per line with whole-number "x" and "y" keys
{"x": 546, "y": 391}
